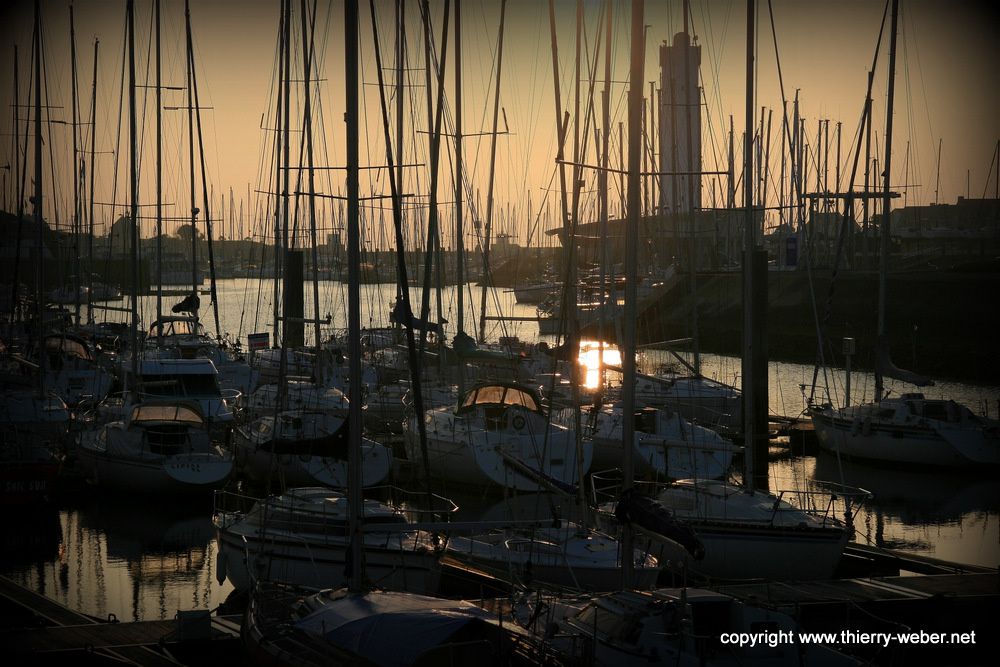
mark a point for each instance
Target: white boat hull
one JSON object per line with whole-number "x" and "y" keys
{"x": 306, "y": 470}
{"x": 739, "y": 552}
{"x": 480, "y": 458}
{"x": 937, "y": 444}
{"x": 181, "y": 473}
{"x": 291, "y": 560}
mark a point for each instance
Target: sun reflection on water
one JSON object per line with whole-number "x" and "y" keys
{"x": 591, "y": 358}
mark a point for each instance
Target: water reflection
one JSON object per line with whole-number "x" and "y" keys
{"x": 138, "y": 559}
{"x": 953, "y": 516}
{"x": 594, "y": 354}
{"x": 915, "y": 496}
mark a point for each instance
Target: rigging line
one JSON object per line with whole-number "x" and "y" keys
{"x": 204, "y": 184}
{"x": 920, "y": 70}
{"x": 715, "y": 57}
{"x": 912, "y": 153}
{"x": 48, "y": 127}
{"x": 848, "y": 214}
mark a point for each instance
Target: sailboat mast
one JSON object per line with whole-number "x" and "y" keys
{"x": 90, "y": 198}
{"x": 278, "y": 242}
{"x": 489, "y": 192}
{"x": 400, "y": 89}
{"x": 18, "y": 193}
{"x": 937, "y": 179}
{"x": 205, "y": 194}
{"x": 883, "y": 259}
{"x": 307, "y": 49}
{"x": 355, "y": 501}
{"x": 134, "y": 188}
{"x": 459, "y": 240}
{"x": 39, "y": 263}
{"x": 602, "y": 188}
{"x": 76, "y": 170}
{"x": 434, "y": 117}
{"x": 749, "y": 243}
{"x": 159, "y": 178}
{"x": 636, "y": 68}
{"x": 190, "y": 114}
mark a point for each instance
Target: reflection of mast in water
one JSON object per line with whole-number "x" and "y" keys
{"x": 879, "y": 529}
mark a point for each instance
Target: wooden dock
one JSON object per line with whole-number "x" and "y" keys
{"x": 58, "y": 632}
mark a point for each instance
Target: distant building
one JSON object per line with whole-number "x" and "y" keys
{"x": 967, "y": 217}
{"x": 680, "y": 125}
{"x": 713, "y": 237}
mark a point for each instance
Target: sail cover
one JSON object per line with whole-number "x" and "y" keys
{"x": 391, "y": 628}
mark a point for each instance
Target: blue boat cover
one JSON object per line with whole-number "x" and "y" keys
{"x": 390, "y": 628}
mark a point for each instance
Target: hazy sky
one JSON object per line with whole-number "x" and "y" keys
{"x": 947, "y": 89}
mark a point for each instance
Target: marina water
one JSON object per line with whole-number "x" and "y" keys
{"x": 145, "y": 558}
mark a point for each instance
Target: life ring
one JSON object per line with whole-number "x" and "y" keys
{"x": 517, "y": 422}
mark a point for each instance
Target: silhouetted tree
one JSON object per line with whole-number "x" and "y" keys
{"x": 184, "y": 232}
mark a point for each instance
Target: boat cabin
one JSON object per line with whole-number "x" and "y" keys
{"x": 501, "y": 395}
{"x": 166, "y": 426}
{"x": 495, "y": 400}
{"x": 188, "y": 379}
{"x": 176, "y": 325}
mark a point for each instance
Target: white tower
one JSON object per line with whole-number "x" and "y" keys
{"x": 680, "y": 125}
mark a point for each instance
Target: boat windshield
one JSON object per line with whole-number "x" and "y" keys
{"x": 153, "y": 412}
{"x": 500, "y": 395}
{"x": 179, "y": 327}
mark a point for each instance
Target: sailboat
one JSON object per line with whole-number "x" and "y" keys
{"x": 72, "y": 370}
{"x": 563, "y": 554}
{"x": 305, "y": 446}
{"x": 301, "y": 537}
{"x": 694, "y": 396}
{"x": 665, "y": 445}
{"x": 498, "y": 435}
{"x": 908, "y": 429}
{"x": 161, "y": 447}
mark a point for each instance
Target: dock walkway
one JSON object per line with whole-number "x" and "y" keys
{"x": 65, "y": 631}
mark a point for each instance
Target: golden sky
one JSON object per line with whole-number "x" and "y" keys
{"x": 946, "y": 91}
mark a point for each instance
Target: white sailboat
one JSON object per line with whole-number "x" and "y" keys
{"x": 184, "y": 337}
{"x": 665, "y": 445}
{"x": 305, "y": 447}
{"x": 499, "y": 435}
{"x": 910, "y": 429}
{"x": 566, "y": 555}
{"x": 161, "y": 447}
{"x": 301, "y": 538}
{"x": 72, "y": 371}
{"x": 697, "y": 398}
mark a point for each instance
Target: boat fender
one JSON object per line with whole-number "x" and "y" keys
{"x": 517, "y": 422}
{"x": 866, "y": 427}
{"x": 856, "y": 426}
